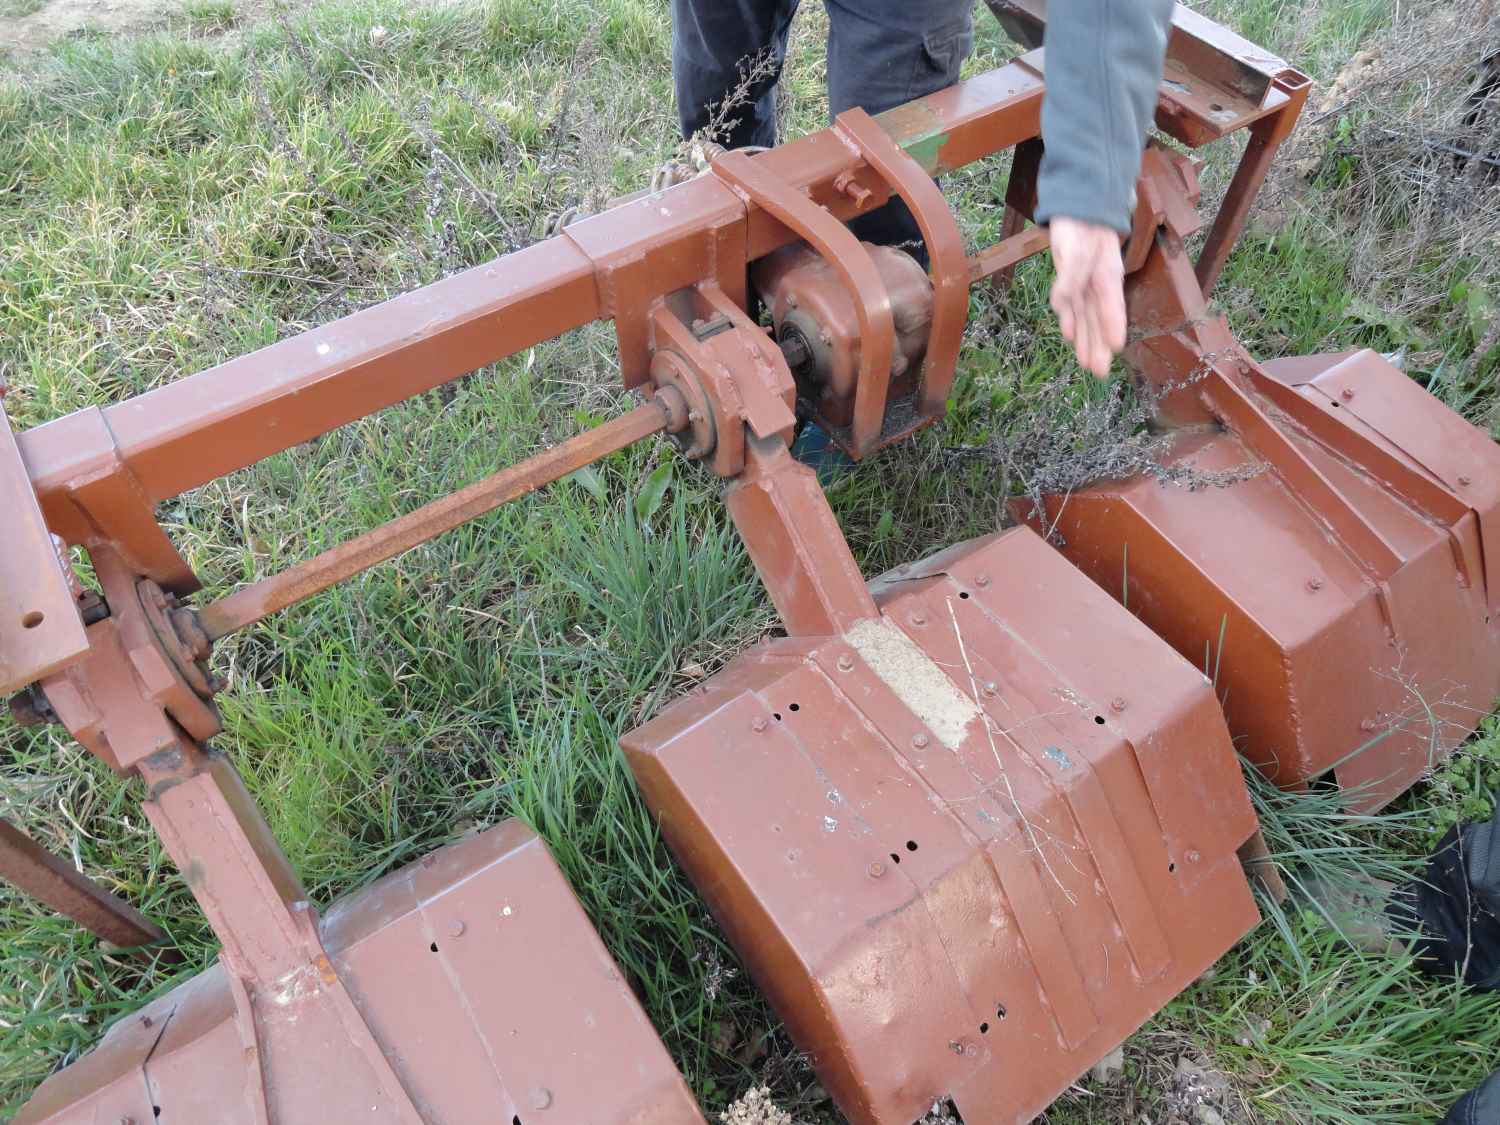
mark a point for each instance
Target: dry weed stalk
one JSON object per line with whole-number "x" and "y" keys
{"x": 1405, "y": 144}
{"x": 1049, "y": 445}
{"x": 989, "y": 732}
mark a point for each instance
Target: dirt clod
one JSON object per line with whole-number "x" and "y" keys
{"x": 755, "y": 1107}
{"x": 1109, "y": 1068}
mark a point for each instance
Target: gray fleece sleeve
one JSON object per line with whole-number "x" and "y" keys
{"x": 1103, "y": 63}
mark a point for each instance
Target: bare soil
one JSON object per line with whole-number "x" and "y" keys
{"x": 59, "y": 19}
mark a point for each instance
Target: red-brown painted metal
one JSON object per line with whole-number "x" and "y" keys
{"x": 1343, "y": 596}
{"x": 40, "y": 629}
{"x": 970, "y": 827}
{"x": 813, "y": 311}
{"x": 251, "y": 603}
{"x": 945, "y": 251}
{"x": 478, "y": 977}
{"x": 966, "y": 846}
{"x": 29, "y": 867}
{"x": 1214, "y": 83}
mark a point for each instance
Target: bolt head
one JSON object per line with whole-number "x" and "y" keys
{"x": 981, "y": 580}
{"x": 918, "y": 618}
{"x": 759, "y": 724}
{"x": 1194, "y": 856}
{"x": 1347, "y": 393}
{"x": 877, "y": 869}
{"x": 990, "y": 688}
{"x": 1465, "y": 480}
{"x": 920, "y": 740}
{"x": 846, "y": 663}
{"x": 541, "y": 1097}
{"x": 1314, "y": 584}
{"x": 1118, "y": 704}
{"x": 456, "y": 928}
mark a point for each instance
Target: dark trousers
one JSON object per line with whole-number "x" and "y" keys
{"x": 880, "y": 53}
{"x": 1478, "y": 1107}
{"x": 1455, "y": 910}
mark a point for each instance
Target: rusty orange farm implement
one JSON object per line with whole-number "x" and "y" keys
{"x": 952, "y": 818}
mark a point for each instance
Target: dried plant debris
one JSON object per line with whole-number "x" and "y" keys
{"x": 755, "y": 1107}
{"x": 1404, "y": 143}
{"x": 1062, "y": 436}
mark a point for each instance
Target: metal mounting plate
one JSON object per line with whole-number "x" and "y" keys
{"x": 40, "y": 630}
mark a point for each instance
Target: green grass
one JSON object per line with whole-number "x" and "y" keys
{"x": 171, "y": 202}
{"x": 15, "y": 9}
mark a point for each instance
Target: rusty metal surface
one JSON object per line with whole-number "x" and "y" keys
{"x": 40, "y": 630}
{"x": 1214, "y": 80}
{"x": 794, "y": 540}
{"x": 959, "y": 861}
{"x": 29, "y": 867}
{"x": 976, "y": 906}
{"x": 113, "y": 464}
{"x": 477, "y": 973}
{"x": 251, "y": 603}
{"x": 841, "y": 250}
{"x": 811, "y": 307}
{"x": 1342, "y": 595}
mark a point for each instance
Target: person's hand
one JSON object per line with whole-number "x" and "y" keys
{"x": 1089, "y": 292}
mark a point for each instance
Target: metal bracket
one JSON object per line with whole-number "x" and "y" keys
{"x": 842, "y": 250}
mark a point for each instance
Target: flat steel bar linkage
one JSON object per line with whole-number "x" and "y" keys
{"x": 251, "y": 603}
{"x": 29, "y": 867}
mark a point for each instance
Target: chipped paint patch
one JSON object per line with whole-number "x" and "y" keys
{"x": 916, "y": 678}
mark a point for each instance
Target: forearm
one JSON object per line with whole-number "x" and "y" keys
{"x": 1103, "y": 61}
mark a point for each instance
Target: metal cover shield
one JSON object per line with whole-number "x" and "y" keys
{"x": 1322, "y": 666}
{"x": 485, "y": 986}
{"x": 966, "y": 848}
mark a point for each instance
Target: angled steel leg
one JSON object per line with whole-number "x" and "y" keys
{"x": 29, "y": 867}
